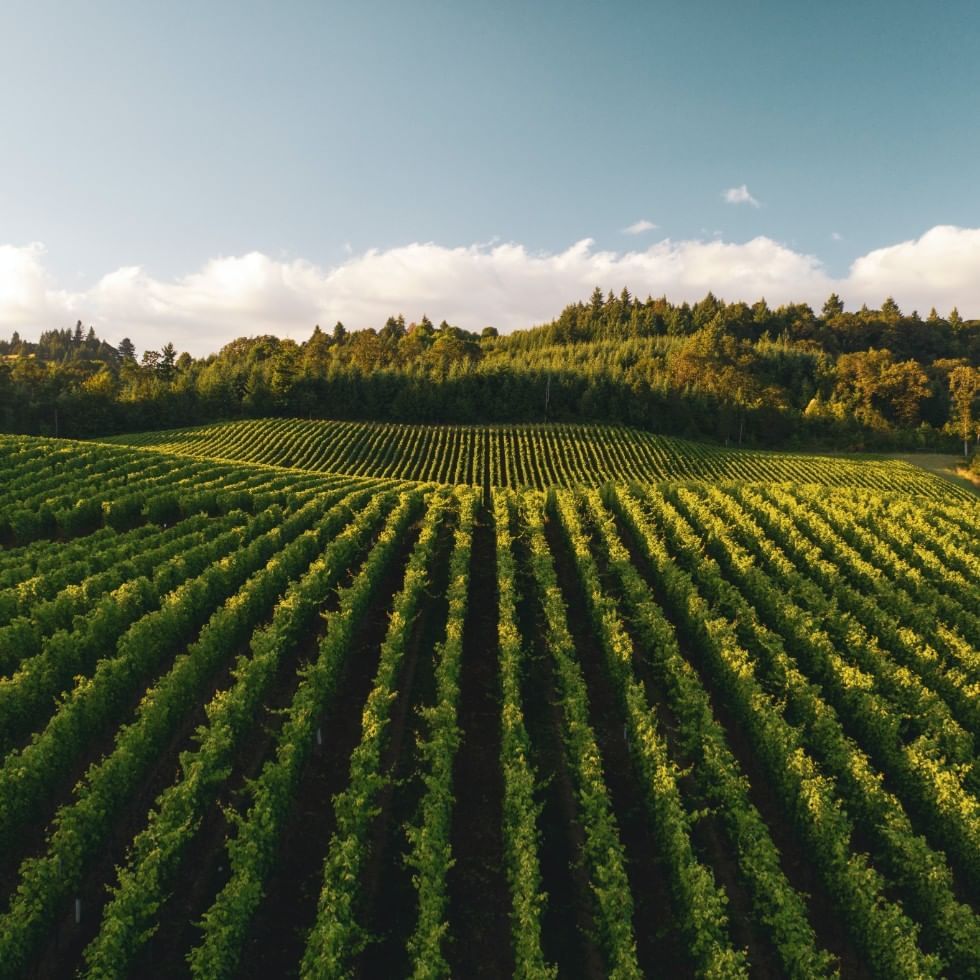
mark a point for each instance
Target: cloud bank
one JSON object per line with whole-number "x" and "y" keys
{"x": 504, "y": 285}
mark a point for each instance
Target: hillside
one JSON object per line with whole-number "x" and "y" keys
{"x": 529, "y": 456}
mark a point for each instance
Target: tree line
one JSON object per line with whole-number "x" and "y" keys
{"x": 732, "y": 372}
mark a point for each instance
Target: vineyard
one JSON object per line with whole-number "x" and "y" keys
{"x": 516, "y": 456}
{"x": 314, "y": 699}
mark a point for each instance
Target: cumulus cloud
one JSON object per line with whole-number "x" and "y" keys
{"x": 639, "y": 227}
{"x": 739, "y": 195}
{"x": 945, "y": 260}
{"x": 501, "y": 284}
{"x": 27, "y": 293}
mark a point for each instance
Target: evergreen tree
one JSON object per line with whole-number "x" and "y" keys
{"x": 834, "y": 306}
{"x": 165, "y": 368}
{"x": 890, "y": 310}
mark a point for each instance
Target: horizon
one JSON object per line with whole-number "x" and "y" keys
{"x": 436, "y": 321}
{"x": 196, "y": 175}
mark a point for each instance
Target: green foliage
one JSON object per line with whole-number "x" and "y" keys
{"x": 537, "y": 456}
{"x": 520, "y": 811}
{"x": 429, "y": 846}
{"x": 158, "y": 852}
{"x": 724, "y": 371}
{"x": 701, "y": 903}
{"x": 337, "y": 936}
{"x": 830, "y": 608}
{"x": 252, "y": 851}
{"x": 603, "y": 849}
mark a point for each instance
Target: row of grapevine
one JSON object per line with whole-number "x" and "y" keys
{"x": 253, "y": 849}
{"x": 429, "y": 845}
{"x": 535, "y": 456}
{"x": 930, "y": 603}
{"x": 80, "y": 826}
{"x": 47, "y": 494}
{"x": 877, "y": 699}
{"x": 520, "y": 810}
{"x": 907, "y": 857}
{"x": 28, "y": 774}
{"x": 51, "y": 597}
{"x": 879, "y": 927}
{"x": 39, "y": 571}
{"x": 44, "y": 669}
{"x": 337, "y": 935}
{"x": 701, "y": 904}
{"x": 887, "y": 613}
{"x": 779, "y": 908}
{"x": 733, "y": 724}
{"x": 157, "y": 852}
{"x": 603, "y": 849}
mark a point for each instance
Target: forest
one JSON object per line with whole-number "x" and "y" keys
{"x": 727, "y": 372}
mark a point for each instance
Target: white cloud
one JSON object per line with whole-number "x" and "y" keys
{"x": 944, "y": 261}
{"x": 503, "y": 284}
{"x": 638, "y": 227}
{"x": 27, "y": 293}
{"x": 739, "y": 195}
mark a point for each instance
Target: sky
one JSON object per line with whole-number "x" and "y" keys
{"x": 196, "y": 172}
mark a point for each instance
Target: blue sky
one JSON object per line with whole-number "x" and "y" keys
{"x": 310, "y": 141}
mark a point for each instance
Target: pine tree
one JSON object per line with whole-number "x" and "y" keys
{"x": 834, "y": 306}
{"x": 165, "y": 368}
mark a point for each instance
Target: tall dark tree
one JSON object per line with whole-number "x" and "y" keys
{"x": 890, "y": 310}
{"x": 166, "y": 367}
{"x": 127, "y": 351}
{"x": 834, "y": 306}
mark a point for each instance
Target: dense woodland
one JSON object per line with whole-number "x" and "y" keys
{"x": 735, "y": 373}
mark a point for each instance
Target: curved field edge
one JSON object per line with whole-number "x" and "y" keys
{"x": 537, "y": 456}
